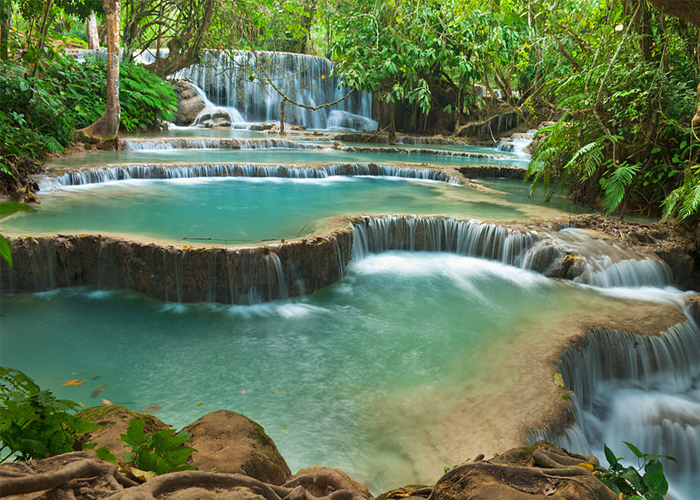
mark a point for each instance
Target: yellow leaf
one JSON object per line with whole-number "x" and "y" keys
{"x": 280, "y": 392}
{"x": 142, "y": 475}
{"x": 558, "y": 380}
{"x": 200, "y": 404}
{"x": 75, "y": 381}
{"x": 586, "y": 466}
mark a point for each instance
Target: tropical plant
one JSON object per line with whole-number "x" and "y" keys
{"x": 160, "y": 452}
{"x": 628, "y": 482}
{"x": 33, "y": 422}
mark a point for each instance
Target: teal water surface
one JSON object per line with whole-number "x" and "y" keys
{"x": 327, "y": 375}
{"x": 268, "y": 156}
{"x": 243, "y": 210}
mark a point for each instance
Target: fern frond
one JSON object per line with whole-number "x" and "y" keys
{"x": 615, "y": 186}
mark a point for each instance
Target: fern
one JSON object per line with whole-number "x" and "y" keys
{"x": 615, "y": 186}
{"x": 160, "y": 452}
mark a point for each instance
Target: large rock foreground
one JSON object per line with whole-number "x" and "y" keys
{"x": 239, "y": 461}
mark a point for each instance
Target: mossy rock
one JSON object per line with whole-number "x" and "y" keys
{"x": 231, "y": 443}
{"x": 115, "y": 420}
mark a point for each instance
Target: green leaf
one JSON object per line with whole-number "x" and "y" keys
{"x": 5, "y": 251}
{"x": 654, "y": 478}
{"x": 103, "y": 453}
{"x": 135, "y": 436}
{"x": 610, "y": 456}
{"x": 634, "y": 449}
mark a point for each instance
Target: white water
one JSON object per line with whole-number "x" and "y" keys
{"x": 226, "y": 82}
{"x": 643, "y": 390}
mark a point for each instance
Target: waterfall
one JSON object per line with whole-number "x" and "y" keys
{"x": 109, "y": 174}
{"x": 214, "y": 143}
{"x": 227, "y": 82}
{"x": 631, "y": 274}
{"x": 517, "y": 143}
{"x": 434, "y": 234}
{"x": 639, "y": 389}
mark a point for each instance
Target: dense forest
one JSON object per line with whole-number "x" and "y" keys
{"x": 614, "y": 81}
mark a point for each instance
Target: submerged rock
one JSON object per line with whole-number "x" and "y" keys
{"x": 232, "y": 443}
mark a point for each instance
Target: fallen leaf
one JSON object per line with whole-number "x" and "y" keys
{"x": 98, "y": 390}
{"x": 76, "y": 374}
{"x": 284, "y": 430}
{"x": 586, "y": 466}
{"x": 107, "y": 402}
{"x": 200, "y": 404}
{"x": 152, "y": 408}
{"x": 81, "y": 404}
{"x": 75, "y": 381}
{"x": 280, "y": 392}
{"x": 559, "y": 380}
{"x": 243, "y": 392}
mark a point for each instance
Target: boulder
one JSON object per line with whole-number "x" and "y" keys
{"x": 190, "y": 102}
{"x": 322, "y": 481}
{"x": 232, "y": 443}
{"x": 115, "y": 420}
{"x": 537, "y": 472}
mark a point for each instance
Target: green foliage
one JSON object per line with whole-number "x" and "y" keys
{"x": 39, "y": 112}
{"x": 652, "y": 485}
{"x": 160, "y": 452}
{"x": 629, "y": 94}
{"x": 33, "y": 423}
{"x": 5, "y": 251}
{"x": 145, "y": 98}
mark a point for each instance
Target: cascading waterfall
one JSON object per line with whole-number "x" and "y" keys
{"x": 634, "y": 388}
{"x": 631, "y": 274}
{"x": 470, "y": 238}
{"x": 109, "y": 174}
{"x": 214, "y": 143}
{"x": 226, "y": 82}
{"x": 638, "y": 389}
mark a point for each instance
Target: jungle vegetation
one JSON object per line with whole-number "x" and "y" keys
{"x": 616, "y": 79}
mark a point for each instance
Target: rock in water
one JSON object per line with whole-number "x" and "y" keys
{"x": 235, "y": 444}
{"x": 190, "y": 102}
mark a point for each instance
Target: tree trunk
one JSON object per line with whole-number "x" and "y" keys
{"x": 391, "y": 140}
{"x": 92, "y": 38}
{"x": 105, "y": 129}
{"x": 686, "y": 10}
{"x": 282, "y": 113}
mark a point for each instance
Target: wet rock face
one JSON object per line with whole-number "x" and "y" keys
{"x": 190, "y": 103}
{"x": 232, "y": 443}
{"x": 182, "y": 274}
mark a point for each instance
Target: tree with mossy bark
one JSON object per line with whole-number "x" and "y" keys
{"x": 106, "y": 128}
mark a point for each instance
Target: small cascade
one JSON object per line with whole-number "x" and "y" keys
{"x": 607, "y": 265}
{"x": 110, "y": 174}
{"x": 214, "y": 143}
{"x": 631, "y": 274}
{"x": 345, "y": 121}
{"x": 517, "y": 143}
{"x": 639, "y": 389}
{"x": 226, "y": 81}
{"x": 470, "y": 238}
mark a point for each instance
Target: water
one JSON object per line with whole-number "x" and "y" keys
{"x": 262, "y": 156}
{"x": 244, "y": 210}
{"x": 375, "y": 370}
{"x": 226, "y": 80}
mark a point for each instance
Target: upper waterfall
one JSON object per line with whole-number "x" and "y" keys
{"x": 246, "y": 81}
